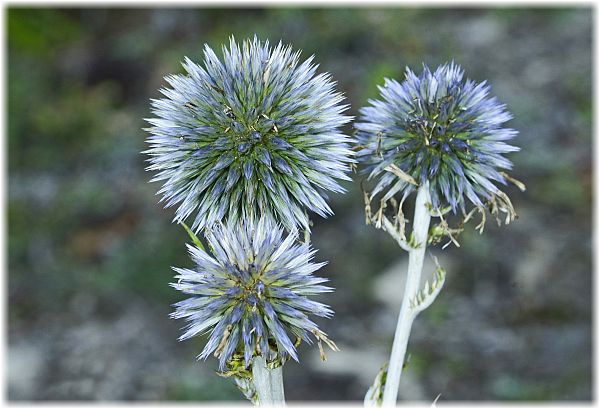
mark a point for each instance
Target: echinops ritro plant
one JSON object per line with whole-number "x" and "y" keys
{"x": 443, "y": 137}
{"x": 251, "y": 294}
{"x": 257, "y": 133}
{"x": 249, "y": 144}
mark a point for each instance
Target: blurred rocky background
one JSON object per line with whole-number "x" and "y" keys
{"x": 90, "y": 250}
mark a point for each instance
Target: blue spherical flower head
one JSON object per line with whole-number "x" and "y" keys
{"x": 257, "y": 133}
{"x": 251, "y": 294}
{"x": 439, "y": 128}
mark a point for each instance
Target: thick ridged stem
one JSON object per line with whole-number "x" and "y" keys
{"x": 415, "y": 266}
{"x": 268, "y": 383}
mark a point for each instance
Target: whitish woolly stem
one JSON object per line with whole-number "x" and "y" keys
{"x": 407, "y": 315}
{"x": 268, "y": 383}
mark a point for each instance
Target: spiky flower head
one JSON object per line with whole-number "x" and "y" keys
{"x": 251, "y": 293}
{"x": 436, "y": 127}
{"x": 257, "y": 133}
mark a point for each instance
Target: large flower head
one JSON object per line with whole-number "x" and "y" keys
{"x": 439, "y": 128}
{"x": 251, "y": 293}
{"x": 257, "y": 133}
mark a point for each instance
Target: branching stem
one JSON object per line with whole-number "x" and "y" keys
{"x": 413, "y": 278}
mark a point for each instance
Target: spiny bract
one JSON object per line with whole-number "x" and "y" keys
{"x": 440, "y": 128}
{"x": 251, "y": 294}
{"x": 255, "y": 134}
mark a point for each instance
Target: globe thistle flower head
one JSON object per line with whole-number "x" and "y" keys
{"x": 251, "y": 294}
{"x": 436, "y": 127}
{"x": 256, "y": 133}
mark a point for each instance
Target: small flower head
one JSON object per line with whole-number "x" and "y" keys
{"x": 436, "y": 127}
{"x": 251, "y": 294}
{"x": 257, "y": 133}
